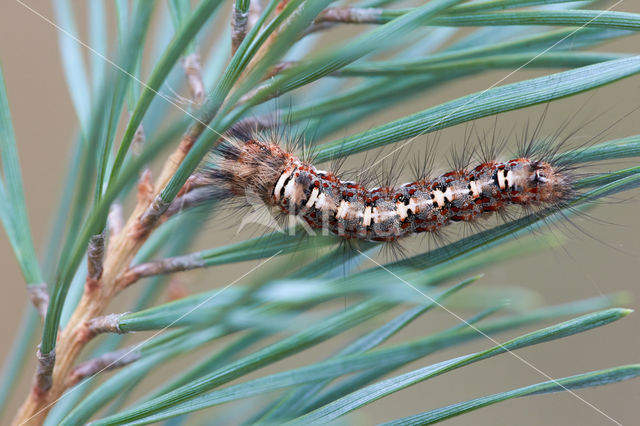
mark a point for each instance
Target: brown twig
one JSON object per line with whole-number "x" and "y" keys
{"x": 351, "y": 15}
{"x": 105, "y": 324}
{"x": 138, "y": 140}
{"x": 317, "y": 27}
{"x": 115, "y": 219}
{"x": 151, "y": 215}
{"x": 193, "y": 198}
{"x": 163, "y": 266}
{"x": 118, "y": 256}
{"x": 155, "y": 207}
{"x": 44, "y": 371}
{"x": 193, "y": 182}
{"x": 39, "y": 296}
{"x": 145, "y": 188}
{"x": 95, "y": 254}
{"x": 106, "y": 362}
{"x": 326, "y": 19}
{"x": 278, "y": 68}
{"x": 239, "y": 27}
{"x": 268, "y": 42}
{"x": 329, "y": 17}
{"x": 193, "y": 72}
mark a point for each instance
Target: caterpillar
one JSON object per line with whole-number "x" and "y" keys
{"x": 254, "y": 163}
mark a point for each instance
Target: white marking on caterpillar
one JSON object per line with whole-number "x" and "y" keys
{"x": 510, "y": 179}
{"x": 293, "y": 192}
{"x": 342, "y": 210}
{"x": 312, "y": 198}
{"x": 283, "y": 177}
{"x": 324, "y": 203}
{"x": 438, "y": 198}
{"x": 401, "y": 209}
{"x": 414, "y": 205}
{"x": 475, "y": 193}
{"x": 449, "y": 194}
{"x": 501, "y": 179}
{"x": 366, "y": 217}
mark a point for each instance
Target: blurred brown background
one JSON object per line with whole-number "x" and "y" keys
{"x": 604, "y": 262}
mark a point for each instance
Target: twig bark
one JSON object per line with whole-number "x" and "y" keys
{"x": 95, "y": 254}
{"x": 118, "y": 256}
{"x": 344, "y": 15}
{"x": 39, "y": 296}
{"x": 106, "y": 362}
{"x": 351, "y": 15}
{"x": 239, "y": 27}
{"x": 150, "y": 217}
{"x": 317, "y": 27}
{"x": 105, "y": 324}
{"x": 155, "y": 207}
{"x": 163, "y": 266}
{"x": 193, "y": 72}
{"x": 193, "y": 198}
{"x": 44, "y": 371}
{"x": 278, "y": 68}
{"x": 138, "y": 140}
{"x": 266, "y": 46}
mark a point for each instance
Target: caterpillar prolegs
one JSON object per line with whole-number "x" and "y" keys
{"x": 348, "y": 209}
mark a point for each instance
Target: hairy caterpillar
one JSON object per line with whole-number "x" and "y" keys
{"x": 253, "y": 163}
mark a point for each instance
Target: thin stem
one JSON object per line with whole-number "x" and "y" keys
{"x": 138, "y": 140}
{"x": 239, "y": 23}
{"x": 164, "y": 266}
{"x": 150, "y": 217}
{"x": 95, "y": 254}
{"x": 105, "y": 324}
{"x": 44, "y": 372}
{"x": 353, "y": 15}
{"x": 193, "y": 71}
{"x": 39, "y": 297}
{"x": 106, "y": 362}
{"x": 194, "y": 197}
